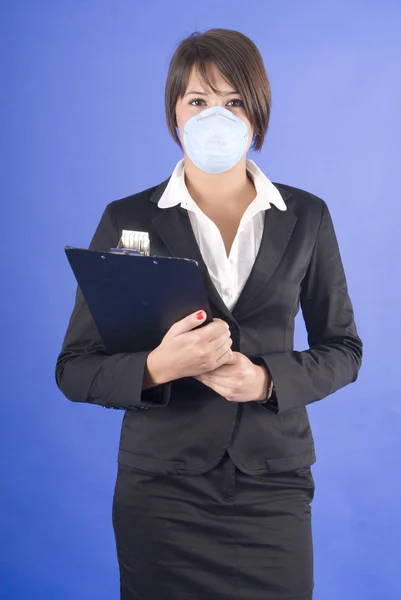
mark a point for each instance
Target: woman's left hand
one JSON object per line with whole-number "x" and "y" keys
{"x": 238, "y": 380}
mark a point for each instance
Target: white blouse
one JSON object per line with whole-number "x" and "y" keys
{"x": 228, "y": 273}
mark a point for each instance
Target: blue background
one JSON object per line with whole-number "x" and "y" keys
{"x": 83, "y": 124}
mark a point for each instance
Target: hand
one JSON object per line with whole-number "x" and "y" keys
{"x": 187, "y": 350}
{"x": 239, "y": 380}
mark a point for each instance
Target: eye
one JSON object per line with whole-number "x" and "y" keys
{"x": 241, "y": 104}
{"x": 196, "y": 100}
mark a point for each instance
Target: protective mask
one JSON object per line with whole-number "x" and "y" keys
{"x": 215, "y": 139}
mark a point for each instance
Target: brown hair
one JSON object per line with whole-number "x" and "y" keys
{"x": 240, "y": 63}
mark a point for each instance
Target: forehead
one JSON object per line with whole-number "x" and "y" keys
{"x": 214, "y": 75}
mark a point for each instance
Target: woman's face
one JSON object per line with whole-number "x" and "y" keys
{"x": 197, "y": 98}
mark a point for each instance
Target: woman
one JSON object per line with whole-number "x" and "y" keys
{"x": 214, "y": 486}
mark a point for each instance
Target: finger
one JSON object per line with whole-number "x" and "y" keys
{"x": 224, "y": 370}
{"x": 233, "y": 360}
{"x": 221, "y": 346}
{"x": 216, "y": 330}
{"x": 215, "y": 381}
{"x": 221, "y": 373}
{"x": 188, "y": 323}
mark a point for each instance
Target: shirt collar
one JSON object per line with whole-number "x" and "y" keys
{"x": 176, "y": 191}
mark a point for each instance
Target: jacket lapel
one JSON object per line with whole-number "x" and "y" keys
{"x": 278, "y": 228}
{"x": 174, "y": 229}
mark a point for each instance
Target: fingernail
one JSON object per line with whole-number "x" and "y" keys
{"x": 199, "y": 315}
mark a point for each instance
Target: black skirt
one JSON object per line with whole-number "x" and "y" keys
{"x": 218, "y": 535}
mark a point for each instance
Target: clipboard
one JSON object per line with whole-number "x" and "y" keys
{"x": 134, "y": 299}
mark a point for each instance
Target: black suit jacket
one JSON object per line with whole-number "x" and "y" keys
{"x": 184, "y": 426}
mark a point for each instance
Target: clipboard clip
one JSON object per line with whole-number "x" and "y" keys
{"x": 133, "y": 242}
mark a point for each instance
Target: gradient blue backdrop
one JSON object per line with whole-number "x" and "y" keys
{"x": 83, "y": 124}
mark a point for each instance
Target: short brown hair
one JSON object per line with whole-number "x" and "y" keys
{"x": 240, "y": 63}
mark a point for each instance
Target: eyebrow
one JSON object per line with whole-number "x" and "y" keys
{"x": 205, "y": 94}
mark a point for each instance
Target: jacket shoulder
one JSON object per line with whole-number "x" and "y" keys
{"x": 300, "y": 200}
{"x": 139, "y": 199}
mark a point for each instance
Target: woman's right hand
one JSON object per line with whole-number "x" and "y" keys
{"x": 188, "y": 352}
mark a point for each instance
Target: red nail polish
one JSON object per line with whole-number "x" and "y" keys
{"x": 199, "y": 315}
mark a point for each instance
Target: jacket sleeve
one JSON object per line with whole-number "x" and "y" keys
{"x": 334, "y": 356}
{"x": 84, "y": 371}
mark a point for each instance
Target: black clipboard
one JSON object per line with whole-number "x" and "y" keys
{"x": 134, "y": 300}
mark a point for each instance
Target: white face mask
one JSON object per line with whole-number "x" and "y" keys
{"x": 215, "y": 139}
